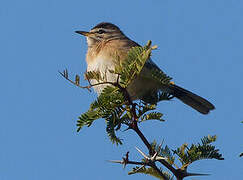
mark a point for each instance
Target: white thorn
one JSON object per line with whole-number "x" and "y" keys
{"x": 116, "y": 161}
{"x": 154, "y": 156}
{"x": 140, "y": 168}
{"x": 160, "y": 158}
{"x": 144, "y": 155}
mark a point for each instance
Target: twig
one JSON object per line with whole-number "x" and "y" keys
{"x": 125, "y": 161}
{"x": 65, "y": 76}
{"x": 85, "y": 87}
{"x": 128, "y": 162}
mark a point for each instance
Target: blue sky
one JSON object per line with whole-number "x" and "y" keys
{"x": 200, "y": 46}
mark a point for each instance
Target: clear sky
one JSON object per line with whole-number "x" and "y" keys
{"x": 200, "y": 46}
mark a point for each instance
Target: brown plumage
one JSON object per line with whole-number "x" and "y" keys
{"x": 196, "y": 102}
{"x": 105, "y": 42}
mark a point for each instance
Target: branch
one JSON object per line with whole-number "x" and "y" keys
{"x": 125, "y": 160}
{"x": 65, "y": 75}
{"x": 128, "y": 162}
{"x": 177, "y": 172}
{"x": 134, "y": 126}
{"x": 143, "y": 138}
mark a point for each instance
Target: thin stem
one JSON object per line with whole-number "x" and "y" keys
{"x": 143, "y": 138}
{"x": 65, "y": 76}
{"x": 86, "y": 87}
{"x": 96, "y": 84}
{"x": 136, "y": 163}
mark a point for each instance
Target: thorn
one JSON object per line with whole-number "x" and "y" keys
{"x": 154, "y": 156}
{"x": 115, "y": 161}
{"x": 160, "y": 158}
{"x": 195, "y": 174}
{"x": 65, "y": 73}
{"x": 140, "y": 168}
{"x": 144, "y": 155}
{"x": 125, "y": 160}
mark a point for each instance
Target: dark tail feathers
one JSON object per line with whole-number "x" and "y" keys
{"x": 196, "y": 102}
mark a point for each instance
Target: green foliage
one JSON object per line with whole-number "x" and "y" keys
{"x": 145, "y": 108}
{"x": 94, "y": 75}
{"x": 160, "y": 76}
{"x": 152, "y": 116}
{"x": 112, "y": 103}
{"x": 184, "y": 154}
{"x": 86, "y": 119}
{"x": 110, "y": 129}
{"x": 133, "y": 64}
{"x": 108, "y": 106}
{"x": 153, "y": 97}
{"x": 110, "y": 98}
{"x": 150, "y": 171}
{"x": 195, "y": 152}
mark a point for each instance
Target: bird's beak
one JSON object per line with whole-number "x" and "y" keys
{"x": 84, "y": 33}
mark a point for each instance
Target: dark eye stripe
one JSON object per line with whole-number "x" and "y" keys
{"x": 101, "y": 31}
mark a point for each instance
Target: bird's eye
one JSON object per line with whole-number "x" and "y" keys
{"x": 101, "y": 31}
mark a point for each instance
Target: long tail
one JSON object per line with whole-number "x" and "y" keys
{"x": 196, "y": 102}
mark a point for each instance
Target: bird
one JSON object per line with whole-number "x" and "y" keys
{"x": 105, "y": 42}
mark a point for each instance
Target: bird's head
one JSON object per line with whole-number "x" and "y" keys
{"x": 102, "y": 32}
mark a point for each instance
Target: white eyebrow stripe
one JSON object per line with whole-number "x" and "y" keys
{"x": 106, "y": 30}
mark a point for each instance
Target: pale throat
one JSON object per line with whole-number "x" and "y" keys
{"x": 91, "y": 42}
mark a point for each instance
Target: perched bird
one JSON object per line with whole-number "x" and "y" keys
{"x": 105, "y": 42}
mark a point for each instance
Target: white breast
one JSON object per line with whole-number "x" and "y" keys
{"x": 103, "y": 66}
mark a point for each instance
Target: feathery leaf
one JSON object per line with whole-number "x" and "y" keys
{"x": 152, "y": 116}
{"x": 187, "y": 155}
{"x": 94, "y": 75}
{"x": 150, "y": 171}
